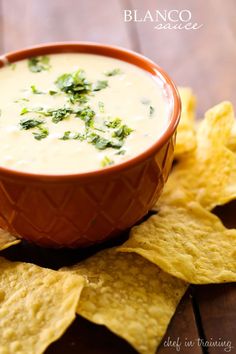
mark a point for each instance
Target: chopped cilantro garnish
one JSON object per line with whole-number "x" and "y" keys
{"x": 99, "y": 129}
{"x": 59, "y": 114}
{"x": 23, "y": 99}
{"x": 120, "y": 152}
{"x": 52, "y": 92}
{"x": 115, "y": 123}
{"x": 101, "y": 107}
{"x": 113, "y": 72}
{"x": 35, "y": 90}
{"x": 42, "y": 133}
{"x": 74, "y": 84}
{"x": 110, "y": 133}
{"x": 38, "y": 64}
{"x": 80, "y": 98}
{"x": 107, "y": 161}
{"x": 102, "y": 143}
{"x": 24, "y": 111}
{"x": 151, "y": 110}
{"x": 39, "y": 110}
{"x": 122, "y": 132}
{"x": 68, "y": 135}
{"x": 100, "y": 85}
{"x": 86, "y": 114}
{"x": 27, "y": 124}
{"x": 30, "y": 123}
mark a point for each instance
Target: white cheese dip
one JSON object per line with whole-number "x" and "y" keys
{"x": 103, "y": 112}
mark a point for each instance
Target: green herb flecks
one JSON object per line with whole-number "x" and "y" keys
{"x": 86, "y": 114}
{"x": 30, "y": 123}
{"x": 52, "y": 92}
{"x": 120, "y": 152}
{"x": 102, "y": 143}
{"x": 59, "y": 114}
{"x": 39, "y": 110}
{"x": 75, "y": 85}
{"x": 42, "y": 133}
{"x": 68, "y": 135}
{"x": 151, "y": 111}
{"x": 122, "y": 132}
{"x": 38, "y": 64}
{"x": 106, "y": 161}
{"x": 24, "y": 111}
{"x": 23, "y": 99}
{"x": 113, "y": 72}
{"x": 114, "y": 123}
{"x": 99, "y": 85}
{"x": 35, "y": 90}
{"x": 102, "y": 132}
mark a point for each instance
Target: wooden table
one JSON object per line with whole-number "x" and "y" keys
{"x": 204, "y": 59}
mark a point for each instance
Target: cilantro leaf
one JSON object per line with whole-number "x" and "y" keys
{"x": 116, "y": 71}
{"x": 38, "y": 64}
{"x": 106, "y": 161}
{"x": 100, "y": 85}
{"x": 102, "y": 143}
{"x": 68, "y": 135}
{"x": 120, "y": 152}
{"x": 75, "y": 85}
{"x": 151, "y": 110}
{"x": 35, "y": 90}
{"x": 116, "y": 122}
{"x": 59, "y": 114}
{"x": 30, "y": 123}
{"x": 122, "y": 132}
{"x": 24, "y": 111}
{"x": 52, "y": 92}
{"x": 87, "y": 115}
{"x": 42, "y": 133}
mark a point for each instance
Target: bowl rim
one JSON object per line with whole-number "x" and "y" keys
{"x": 110, "y": 51}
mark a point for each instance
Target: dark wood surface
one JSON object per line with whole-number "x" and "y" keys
{"x": 204, "y": 59}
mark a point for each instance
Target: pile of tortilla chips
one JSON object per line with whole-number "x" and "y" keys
{"x": 134, "y": 289}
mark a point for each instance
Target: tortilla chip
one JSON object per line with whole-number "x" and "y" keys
{"x": 129, "y": 295}
{"x": 7, "y": 240}
{"x": 36, "y": 306}
{"x": 207, "y": 171}
{"x": 186, "y": 241}
{"x": 232, "y": 140}
{"x": 186, "y": 136}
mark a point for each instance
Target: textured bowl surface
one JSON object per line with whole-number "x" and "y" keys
{"x": 83, "y": 209}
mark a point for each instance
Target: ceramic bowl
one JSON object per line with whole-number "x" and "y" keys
{"x": 77, "y": 210}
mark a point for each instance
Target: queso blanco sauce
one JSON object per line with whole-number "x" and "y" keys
{"x": 107, "y": 114}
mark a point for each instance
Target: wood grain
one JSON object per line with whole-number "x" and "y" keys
{"x": 217, "y": 307}
{"x": 203, "y": 59}
{"x": 29, "y": 22}
{"x": 217, "y": 303}
{"x": 1, "y": 28}
{"x": 182, "y": 329}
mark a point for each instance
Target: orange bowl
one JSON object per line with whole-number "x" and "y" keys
{"x": 77, "y": 210}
